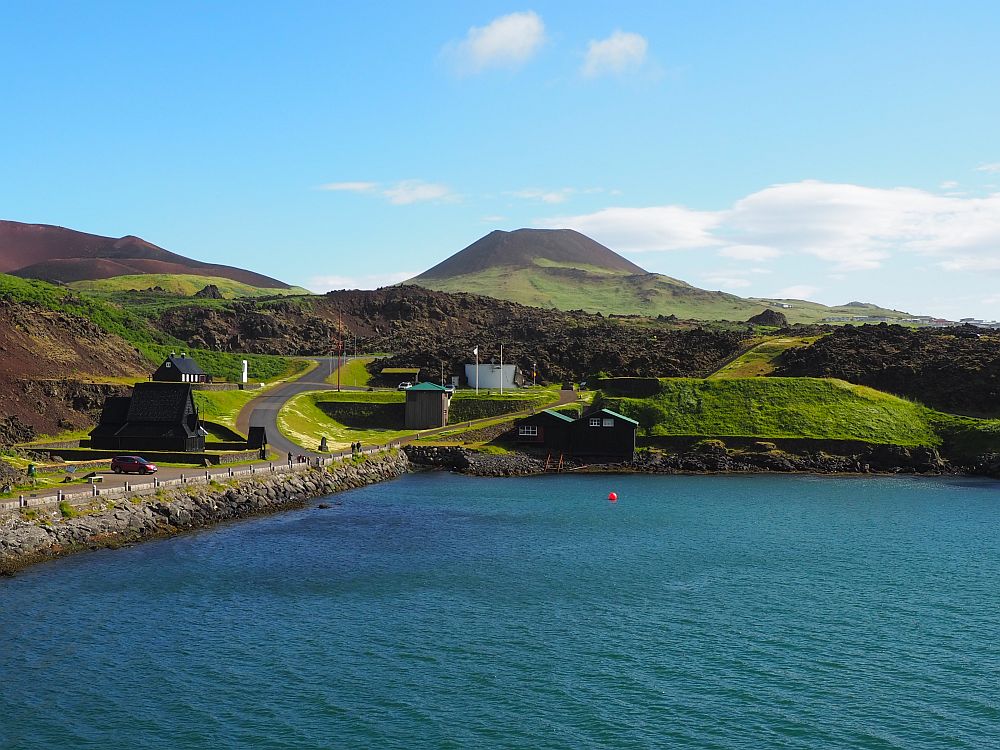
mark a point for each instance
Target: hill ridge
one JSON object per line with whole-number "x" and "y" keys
{"x": 57, "y": 254}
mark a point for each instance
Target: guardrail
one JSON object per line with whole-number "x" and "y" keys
{"x": 132, "y": 489}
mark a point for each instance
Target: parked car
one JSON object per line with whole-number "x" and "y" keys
{"x": 132, "y": 465}
{"x": 404, "y": 385}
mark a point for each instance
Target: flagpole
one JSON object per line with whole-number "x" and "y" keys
{"x": 501, "y": 369}
{"x": 477, "y": 369}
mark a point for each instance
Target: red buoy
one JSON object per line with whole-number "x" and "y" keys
{"x": 613, "y": 497}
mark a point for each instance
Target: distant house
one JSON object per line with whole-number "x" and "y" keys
{"x": 426, "y": 406}
{"x": 547, "y": 428}
{"x": 156, "y": 417}
{"x": 600, "y": 433}
{"x": 180, "y": 368}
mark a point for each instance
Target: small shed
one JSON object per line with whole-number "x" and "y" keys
{"x": 604, "y": 433}
{"x": 426, "y": 406}
{"x": 157, "y": 417}
{"x": 547, "y": 429}
{"x": 180, "y": 368}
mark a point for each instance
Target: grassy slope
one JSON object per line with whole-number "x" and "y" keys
{"x": 353, "y": 373}
{"x": 181, "y": 285}
{"x": 545, "y": 286}
{"x": 759, "y": 360}
{"x": 153, "y": 344}
{"x": 802, "y": 408}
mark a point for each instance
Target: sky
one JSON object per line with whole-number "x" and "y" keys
{"x": 805, "y": 149}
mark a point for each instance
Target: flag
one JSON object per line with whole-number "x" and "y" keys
{"x": 476, "y": 351}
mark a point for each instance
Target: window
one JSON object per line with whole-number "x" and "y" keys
{"x": 609, "y": 422}
{"x": 527, "y": 430}
{"x": 595, "y": 421}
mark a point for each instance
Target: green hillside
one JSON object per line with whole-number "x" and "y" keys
{"x": 566, "y": 270}
{"x": 183, "y": 285}
{"x": 152, "y": 343}
{"x": 801, "y": 408}
{"x": 592, "y": 290}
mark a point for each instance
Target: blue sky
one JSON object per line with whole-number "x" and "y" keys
{"x": 838, "y": 151}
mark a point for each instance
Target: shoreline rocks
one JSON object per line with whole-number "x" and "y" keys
{"x": 108, "y": 524}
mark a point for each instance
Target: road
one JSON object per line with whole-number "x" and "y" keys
{"x": 263, "y": 410}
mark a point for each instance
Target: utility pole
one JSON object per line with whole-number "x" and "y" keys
{"x": 340, "y": 348}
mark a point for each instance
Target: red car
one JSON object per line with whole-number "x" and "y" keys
{"x": 132, "y": 465}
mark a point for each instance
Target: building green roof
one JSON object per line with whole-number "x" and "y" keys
{"x": 559, "y": 415}
{"x": 620, "y": 416}
{"x": 426, "y": 387}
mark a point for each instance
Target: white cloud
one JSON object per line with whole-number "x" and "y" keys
{"x": 993, "y": 168}
{"x": 401, "y": 193}
{"x": 351, "y": 187}
{"x": 495, "y": 219}
{"x": 621, "y": 52}
{"x": 545, "y": 196}
{"x": 755, "y": 253}
{"x": 415, "y": 191}
{"x": 643, "y": 229}
{"x": 849, "y": 227}
{"x": 949, "y": 185}
{"x": 505, "y": 42}
{"x": 322, "y": 284}
{"x": 728, "y": 282}
{"x": 798, "y": 291}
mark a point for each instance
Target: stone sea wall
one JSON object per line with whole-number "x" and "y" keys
{"x": 38, "y": 535}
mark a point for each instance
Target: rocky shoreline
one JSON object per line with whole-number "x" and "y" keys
{"x": 712, "y": 457}
{"x": 108, "y": 524}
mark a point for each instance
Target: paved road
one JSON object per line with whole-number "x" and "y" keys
{"x": 263, "y": 410}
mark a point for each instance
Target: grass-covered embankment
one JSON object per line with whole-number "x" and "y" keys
{"x": 344, "y": 417}
{"x": 812, "y": 408}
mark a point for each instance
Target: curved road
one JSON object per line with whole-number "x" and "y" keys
{"x": 263, "y": 410}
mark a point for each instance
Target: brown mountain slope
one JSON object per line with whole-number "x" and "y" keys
{"x": 523, "y": 248}
{"x": 42, "y": 251}
{"x": 42, "y": 352}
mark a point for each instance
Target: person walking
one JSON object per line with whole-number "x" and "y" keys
{"x": 289, "y": 458}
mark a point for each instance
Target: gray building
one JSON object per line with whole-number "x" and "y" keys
{"x": 426, "y": 406}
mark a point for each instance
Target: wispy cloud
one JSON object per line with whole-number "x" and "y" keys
{"x": 797, "y": 291}
{"x": 727, "y": 282}
{"x": 849, "y": 227}
{"x": 992, "y": 168}
{"x": 755, "y": 253}
{"x": 416, "y": 191}
{"x": 505, "y": 42}
{"x": 350, "y": 187}
{"x": 643, "y": 229}
{"x": 545, "y": 196}
{"x": 619, "y": 53}
{"x": 401, "y": 193}
{"x": 322, "y": 284}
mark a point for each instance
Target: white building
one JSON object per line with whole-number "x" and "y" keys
{"x": 491, "y": 376}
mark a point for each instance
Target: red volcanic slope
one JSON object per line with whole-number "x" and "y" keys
{"x": 41, "y": 251}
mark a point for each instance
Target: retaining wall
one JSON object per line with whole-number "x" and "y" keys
{"x": 111, "y": 517}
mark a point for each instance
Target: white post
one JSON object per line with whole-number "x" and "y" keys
{"x": 501, "y": 369}
{"x": 245, "y": 373}
{"x": 477, "y": 370}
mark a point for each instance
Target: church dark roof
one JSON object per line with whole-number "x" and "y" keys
{"x": 184, "y": 364}
{"x": 159, "y": 402}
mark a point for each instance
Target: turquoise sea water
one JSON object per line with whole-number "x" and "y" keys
{"x": 441, "y": 611}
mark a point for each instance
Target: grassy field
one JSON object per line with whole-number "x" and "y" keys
{"x": 353, "y": 373}
{"x": 304, "y": 420}
{"x": 222, "y": 406}
{"x": 305, "y": 423}
{"x": 183, "y": 285}
{"x": 781, "y": 408}
{"x": 760, "y": 359}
